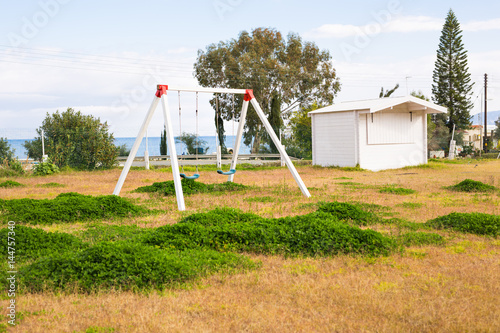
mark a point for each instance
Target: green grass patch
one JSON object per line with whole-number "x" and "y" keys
{"x": 320, "y": 233}
{"x": 396, "y": 190}
{"x": 420, "y": 239}
{"x": 411, "y": 205}
{"x": 469, "y": 185}
{"x": 350, "y": 183}
{"x": 260, "y": 199}
{"x": 339, "y": 178}
{"x": 111, "y": 233}
{"x": 126, "y": 266}
{"x": 189, "y": 186}
{"x": 51, "y": 185}
{"x": 68, "y": 207}
{"x": 31, "y": 243}
{"x": 11, "y": 184}
{"x": 474, "y": 223}
{"x": 404, "y": 224}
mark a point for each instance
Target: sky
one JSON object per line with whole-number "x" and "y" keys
{"x": 105, "y": 58}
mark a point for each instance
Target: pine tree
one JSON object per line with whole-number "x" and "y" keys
{"x": 452, "y": 82}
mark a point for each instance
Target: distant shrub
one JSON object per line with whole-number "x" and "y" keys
{"x": 474, "y": 223}
{"x": 420, "y": 239}
{"x": 11, "y": 184}
{"x": 469, "y": 185}
{"x": 189, "y": 186}
{"x": 68, "y": 207}
{"x": 45, "y": 168}
{"x": 125, "y": 266}
{"x": 32, "y": 243}
{"x": 314, "y": 234}
{"x": 396, "y": 190}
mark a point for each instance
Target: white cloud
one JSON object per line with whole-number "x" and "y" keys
{"x": 482, "y": 25}
{"x": 402, "y": 24}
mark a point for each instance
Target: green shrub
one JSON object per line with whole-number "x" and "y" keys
{"x": 125, "y": 266}
{"x": 31, "y": 243}
{"x": 396, "y": 190}
{"x": 469, "y": 185}
{"x": 104, "y": 233}
{"x": 68, "y": 207}
{"x": 44, "y": 169}
{"x": 189, "y": 186}
{"x": 420, "y": 239}
{"x": 314, "y": 234}
{"x": 474, "y": 223}
{"x": 11, "y": 184}
{"x": 349, "y": 212}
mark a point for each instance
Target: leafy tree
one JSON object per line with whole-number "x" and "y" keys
{"x": 452, "y": 82}
{"x": 75, "y": 140}
{"x": 123, "y": 150}
{"x": 263, "y": 60}
{"x": 389, "y": 92}
{"x": 496, "y": 133}
{"x": 299, "y": 142}
{"x": 6, "y": 153}
{"x": 163, "y": 142}
{"x": 192, "y": 142}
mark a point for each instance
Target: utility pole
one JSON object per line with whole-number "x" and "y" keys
{"x": 485, "y": 112}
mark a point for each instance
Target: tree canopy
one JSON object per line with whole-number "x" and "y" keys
{"x": 75, "y": 140}
{"x": 295, "y": 71}
{"x": 496, "y": 133}
{"x": 299, "y": 141}
{"x": 452, "y": 81}
{"x": 388, "y": 92}
{"x": 193, "y": 143}
{"x": 6, "y": 153}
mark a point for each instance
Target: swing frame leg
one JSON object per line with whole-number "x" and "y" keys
{"x": 161, "y": 95}
{"x": 239, "y": 136}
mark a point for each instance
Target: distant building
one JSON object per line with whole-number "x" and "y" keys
{"x": 474, "y": 137}
{"x": 378, "y": 134}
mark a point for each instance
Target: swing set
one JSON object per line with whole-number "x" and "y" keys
{"x": 161, "y": 96}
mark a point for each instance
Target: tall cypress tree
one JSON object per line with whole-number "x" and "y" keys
{"x": 275, "y": 120}
{"x": 163, "y": 142}
{"x": 452, "y": 82}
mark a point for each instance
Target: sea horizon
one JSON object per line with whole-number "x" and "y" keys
{"x": 153, "y": 145}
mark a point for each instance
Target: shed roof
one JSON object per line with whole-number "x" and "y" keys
{"x": 402, "y": 104}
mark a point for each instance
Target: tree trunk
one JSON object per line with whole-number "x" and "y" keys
{"x": 256, "y": 143}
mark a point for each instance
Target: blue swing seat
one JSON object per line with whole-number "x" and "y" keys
{"x": 195, "y": 176}
{"x": 227, "y": 173}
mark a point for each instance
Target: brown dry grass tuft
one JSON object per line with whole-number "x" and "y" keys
{"x": 452, "y": 288}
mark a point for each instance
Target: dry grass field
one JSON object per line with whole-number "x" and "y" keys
{"x": 451, "y": 288}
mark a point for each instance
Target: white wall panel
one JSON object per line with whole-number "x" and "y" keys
{"x": 392, "y": 156}
{"x": 334, "y": 141}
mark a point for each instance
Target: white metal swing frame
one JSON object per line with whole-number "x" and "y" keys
{"x": 161, "y": 96}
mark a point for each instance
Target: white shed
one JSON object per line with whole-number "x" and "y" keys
{"x": 377, "y": 134}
